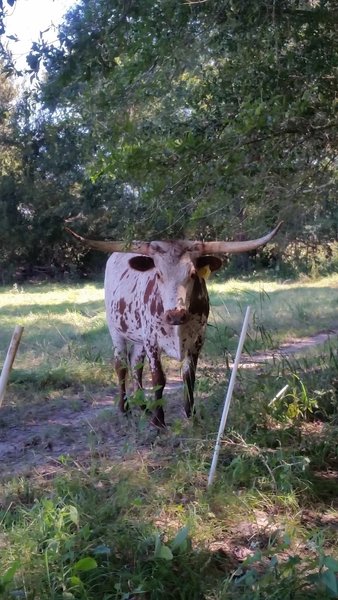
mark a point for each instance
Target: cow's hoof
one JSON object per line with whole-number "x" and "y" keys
{"x": 156, "y": 422}
{"x": 124, "y": 407}
{"x": 189, "y": 409}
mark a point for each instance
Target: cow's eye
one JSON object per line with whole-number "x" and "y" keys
{"x": 159, "y": 276}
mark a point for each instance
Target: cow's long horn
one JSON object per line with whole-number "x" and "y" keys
{"x": 236, "y": 247}
{"x": 106, "y": 246}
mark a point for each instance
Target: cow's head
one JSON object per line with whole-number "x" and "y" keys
{"x": 176, "y": 266}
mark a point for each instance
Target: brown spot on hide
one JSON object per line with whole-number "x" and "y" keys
{"x": 163, "y": 331}
{"x": 121, "y": 306}
{"x": 149, "y": 290}
{"x": 199, "y": 301}
{"x": 124, "y": 325}
{"x": 159, "y": 307}
{"x": 124, "y": 274}
{"x": 156, "y": 306}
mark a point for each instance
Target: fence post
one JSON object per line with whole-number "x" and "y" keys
{"x": 11, "y": 352}
{"x": 229, "y": 396}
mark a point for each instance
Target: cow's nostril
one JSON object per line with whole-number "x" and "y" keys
{"x": 184, "y": 317}
{"x": 176, "y": 317}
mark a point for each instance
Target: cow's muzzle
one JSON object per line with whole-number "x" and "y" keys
{"x": 176, "y": 317}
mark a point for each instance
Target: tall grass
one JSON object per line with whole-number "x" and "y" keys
{"x": 282, "y": 311}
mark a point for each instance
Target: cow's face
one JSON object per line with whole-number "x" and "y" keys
{"x": 175, "y": 270}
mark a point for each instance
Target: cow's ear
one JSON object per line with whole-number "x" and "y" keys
{"x": 207, "y": 264}
{"x": 141, "y": 263}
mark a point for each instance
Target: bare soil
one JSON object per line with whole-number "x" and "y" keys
{"x": 37, "y": 439}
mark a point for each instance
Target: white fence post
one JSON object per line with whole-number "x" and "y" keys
{"x": 6, "y": 369}
{"x": 229, "y": 396}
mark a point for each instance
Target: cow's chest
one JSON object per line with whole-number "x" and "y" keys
{"x": 177, "y": 341}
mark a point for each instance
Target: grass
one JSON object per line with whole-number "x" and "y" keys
{"x": 65, "y": 338}
{"x": 66, "y": 325}
{"x": 282, "y": 311}
{"x": 126, "y": 514}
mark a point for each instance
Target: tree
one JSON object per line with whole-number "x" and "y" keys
{"x": 7, "y": 64}
{"x": 164, "y": 119}
{"x": 10, "y": 164}
{"x": 217, "y": 116}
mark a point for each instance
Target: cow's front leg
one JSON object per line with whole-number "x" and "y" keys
{"x": 121, "y": 368}
{"x": 158, "y": 380}
{"x": 121, "y": 371}
{"x": 137, "y": 356}
{"x": 189, "y": 376}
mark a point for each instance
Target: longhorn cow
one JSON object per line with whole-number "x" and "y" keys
{"x": 157, "y": 301}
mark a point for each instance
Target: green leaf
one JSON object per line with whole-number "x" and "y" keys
{"x": 293, "y": 410}
{"x": 273, "y": 562}
{"x": 74, "y": 515}
{"x": 8, "y": 576}
{"x": 180, "y": 539}
{"x": 329, "y": 579}
{"x": 101, "y": 550}
{"x": 293, "y": 561}
{"x": 162, "y": 551}
{"x": 139, "y": 397}
{"x": 287, "y": 540}
{"x": 331, "y": 563}
{"x": 165, "y": 553}
{"x": 85, "y": 564}
{"x": 254, "y": 558}
{"x": 158, "y": 544}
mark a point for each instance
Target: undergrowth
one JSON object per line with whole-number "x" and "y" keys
{"x": 143, "y": 524}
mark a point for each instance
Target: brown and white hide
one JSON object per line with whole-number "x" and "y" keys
{"x": 159, "y": 304}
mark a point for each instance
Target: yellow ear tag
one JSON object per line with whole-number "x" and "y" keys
{"x": 204, "y": 272}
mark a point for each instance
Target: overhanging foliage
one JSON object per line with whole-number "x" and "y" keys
{"x": 165, "y": 119}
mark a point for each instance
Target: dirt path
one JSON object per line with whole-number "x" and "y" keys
{"x": 290, "y": 347}
{"x": 38, "y": 438}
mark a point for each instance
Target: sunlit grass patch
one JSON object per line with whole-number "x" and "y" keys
{"x": 65, "y": 332}
{"x": 280, "y": 310}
